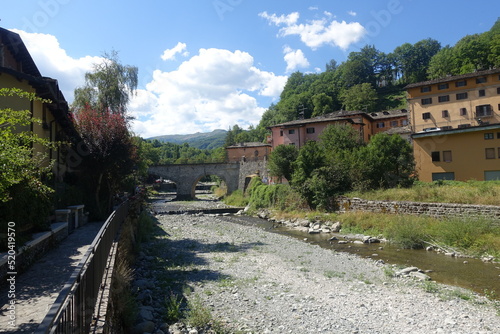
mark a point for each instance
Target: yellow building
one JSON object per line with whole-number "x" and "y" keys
{"x": 18, "y": 70}
{"x": 455, "y": 102}
{"x": 460, "y": 154}
{"x": 456, "y": 127}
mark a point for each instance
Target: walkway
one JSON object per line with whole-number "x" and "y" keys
{"x": 39, "y": 286}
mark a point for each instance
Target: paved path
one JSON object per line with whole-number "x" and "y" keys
{"x": 38, "y": 287}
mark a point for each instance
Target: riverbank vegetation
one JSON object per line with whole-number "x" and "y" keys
{"x": 467, "y": 236}
{"x": 469, "y": 192}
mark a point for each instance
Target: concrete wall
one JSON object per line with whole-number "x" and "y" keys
{"x": 437, "y": 210}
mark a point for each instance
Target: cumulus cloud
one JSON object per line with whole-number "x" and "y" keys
{"x": 53, "y": 61}
{"x": 294, "y": 59}
{"x": 317, "y": 33}
{"x": 279, "y": 20}
{"x": 169, "y": 54}
{"x": 214, "y": 89}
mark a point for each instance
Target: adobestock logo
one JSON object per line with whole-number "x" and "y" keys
{"x": 48, "y": 9}
{"x": 223, "y": 6}
{"x": 381, "y": 19}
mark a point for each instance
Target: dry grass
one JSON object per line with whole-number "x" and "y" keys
{"x": 470, "y": 192}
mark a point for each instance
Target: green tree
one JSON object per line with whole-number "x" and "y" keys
{"x": 100, "y": 117}
{"x": 360, "y": 97}
{"x": 385, "y": 162}
{"x": 281, "y": 161}
{"x": 108, "y": 87}
{"x": 23, "y": 168}
{"x": 323, "y": 104}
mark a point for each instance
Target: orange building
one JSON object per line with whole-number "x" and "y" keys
{"x": 248, "y": 152}
{"x": 298, "y": 132}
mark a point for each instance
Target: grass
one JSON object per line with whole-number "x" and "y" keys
{"x": 470, "y": 236}
{"x": 469, "y": 192}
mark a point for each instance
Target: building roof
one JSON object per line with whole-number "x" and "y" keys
{"x": 249, "y": 144}
{"x": 338, "y": 116}
{"x": 46, "y": 88}
{"x": 16, "y": 46}
{"x": 453, "y": 78}
{"x": 423, "y": 134}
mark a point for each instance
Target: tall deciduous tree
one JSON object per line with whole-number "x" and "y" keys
{"x": 100, "y": 117}
{"x": 360, "y": 97}
{"x": 109, "y": 86}
{"x": 281, "y": 161}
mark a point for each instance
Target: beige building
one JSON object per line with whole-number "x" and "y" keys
{"x": 455, "y": 102}
{"x": 18, "y": 70}
{"x": 248, "y": 152}
{"x": 456, "y": 125}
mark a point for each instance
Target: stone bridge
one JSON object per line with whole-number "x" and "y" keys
{"x": 186, "y": 176}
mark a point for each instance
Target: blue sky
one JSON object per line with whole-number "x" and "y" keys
{"x": 210, "y": 64}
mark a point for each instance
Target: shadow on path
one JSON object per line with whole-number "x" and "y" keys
{"x": 39, "y": 286}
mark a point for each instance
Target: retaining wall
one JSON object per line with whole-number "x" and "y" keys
{"x": 437, "y": 210}
{"x": 33, "y": 250}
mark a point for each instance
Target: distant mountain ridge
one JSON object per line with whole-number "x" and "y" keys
{"x": 207, "y": 140}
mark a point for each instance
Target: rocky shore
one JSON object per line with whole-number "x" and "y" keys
{"x": 253, "y": 281}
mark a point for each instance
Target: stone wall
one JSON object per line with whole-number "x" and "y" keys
{"x": 248, "y": 168}
{"x": 33, "y": 250}
{"x": 438, "y": 210}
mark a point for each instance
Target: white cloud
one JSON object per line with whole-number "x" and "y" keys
{"x": 352, "y": 13}
{"x": 53, "y": 61}
{"x": 169, "y": 54}
{"x": 214, "y": 89}
{"x": 317, "y": 33}
{"x": 313, "y": 8}
{"x": 279, "y": 20}
{"x": 294, "y": 59}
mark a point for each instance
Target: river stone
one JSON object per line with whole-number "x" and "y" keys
{"x": 420, "y": 276}
{"x": 146, "y": 313}
{"x": 145, "y": 327}
{"x": 406, "y": 271}
{"x": 336, "y": 227}
{"x": 313, "y": 231}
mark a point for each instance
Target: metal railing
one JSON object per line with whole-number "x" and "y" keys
{"x": 73, "y": 309}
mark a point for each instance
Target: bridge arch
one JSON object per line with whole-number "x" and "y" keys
{"x": 186, "y": 176}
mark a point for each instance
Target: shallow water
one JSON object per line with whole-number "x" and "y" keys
{"x": 473, "y": 274}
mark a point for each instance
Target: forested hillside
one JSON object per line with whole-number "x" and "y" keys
{"x": 372, "y": 80}
{"x": 208, "y": 140}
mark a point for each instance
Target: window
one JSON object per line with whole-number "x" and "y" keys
{"x": 291, "y": 132}
{"x": 450, "y": 176}
{"x": 380, "y": 125}
{"x": 498, "y": 90}
{"x": 281, "y": 133}
{"x": 462, "y": 96}
{"x": 435, "y": 156}
{"x": 491, "y": 175}
{"x": 482, "y": 93}
{"x": 481, "y": 80}
{"x": 463, "y": 111}
{"x": 461, "y": 83}
{"x": 498, "y": 135}
{"x": 404, "y": 122}
{"x": 461, "y": 126}
{"x": 444, "y": 98}
{"x": 310, "y": 130}
{"x": 447, "y": 156}
{"x": 425, "y": 89}
{"x": 445, "y": 113}
{"x": 426, "y": 115}
{"x": 489, "y": 153}
{"x": 483, "y": 110}
{"x": 488, "y": 136}
{"x": 443, "y": 86}
{"x": 427, "y": 100}
{"x": 446, "y": 127}
{"x": 394, "y": 124}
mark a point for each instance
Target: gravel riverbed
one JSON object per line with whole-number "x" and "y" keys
{"x": 254, "y": 281}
